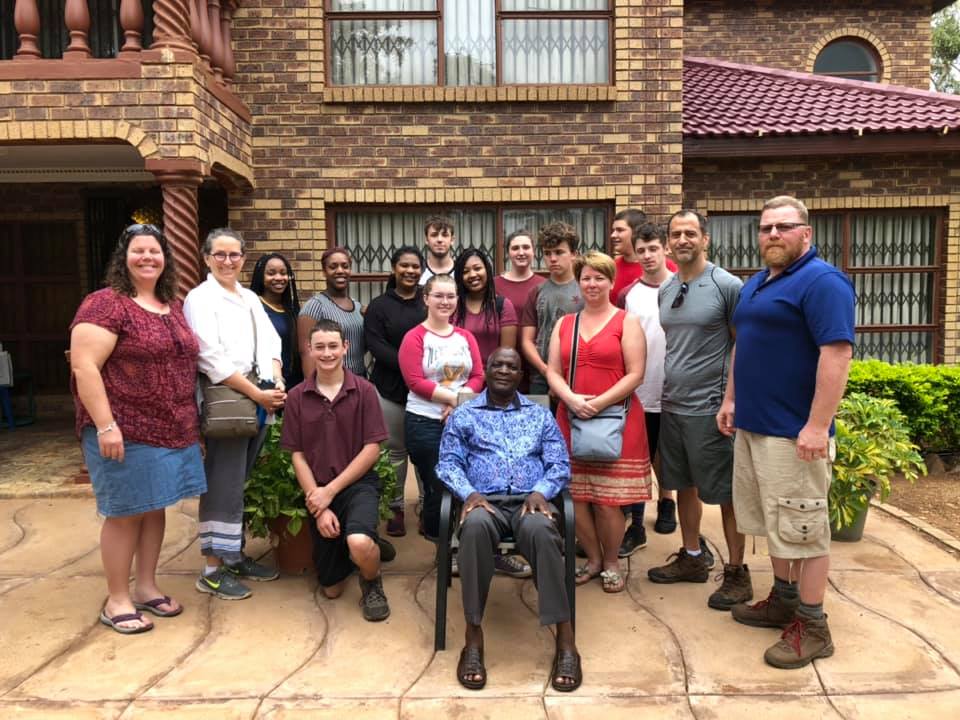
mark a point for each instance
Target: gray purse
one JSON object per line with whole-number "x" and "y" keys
{"x": 600, "y": 438}
{"x": 227, "y": 413}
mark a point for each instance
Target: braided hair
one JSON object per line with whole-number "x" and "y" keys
{"x": 290, "y": 299}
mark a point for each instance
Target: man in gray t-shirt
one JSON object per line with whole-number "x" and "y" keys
{"x": 698, "y": 340}
{"x": 696, "y": 312}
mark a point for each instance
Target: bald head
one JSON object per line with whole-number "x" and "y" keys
{"x": 503, "y": 374}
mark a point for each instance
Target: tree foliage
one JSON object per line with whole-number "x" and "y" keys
{"x": 945, "y": 53}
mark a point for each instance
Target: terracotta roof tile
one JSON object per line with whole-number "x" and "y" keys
{"x": 723, "y": 99}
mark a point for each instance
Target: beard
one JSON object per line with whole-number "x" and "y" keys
{"x": 778, "y": 256}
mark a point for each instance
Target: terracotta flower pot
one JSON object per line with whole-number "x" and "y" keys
{"x": 294, "y": 553}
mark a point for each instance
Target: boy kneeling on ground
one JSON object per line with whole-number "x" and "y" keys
{"x": 333, "y": 426}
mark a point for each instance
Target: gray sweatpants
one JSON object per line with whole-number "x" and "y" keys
{"x": 538, "y": 540}
{"x": 227, "y": 464}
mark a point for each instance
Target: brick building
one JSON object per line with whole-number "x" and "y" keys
{"x": 309, "y": 122}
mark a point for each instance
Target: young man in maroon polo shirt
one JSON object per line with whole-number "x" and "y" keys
{"x": 333, "y": 425}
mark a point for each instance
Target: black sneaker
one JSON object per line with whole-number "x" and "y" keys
{"x": 708, "y": 558}
{"x": 634, "y": 539}
{"x": 252, "y": 570}
{"x": 666, "y": 517}
{"x": 222, "y": 584}
{"x": 512, "y": 566}
{"x": 373, "y": 600}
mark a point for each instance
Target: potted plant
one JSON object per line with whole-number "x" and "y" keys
{"x": 274, "y": 503}
{"x": 873, "y": 444}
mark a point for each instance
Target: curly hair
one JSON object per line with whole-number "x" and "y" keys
{"x": 554, "y": 233}
{"x": 290, "y": 299}
{"x": 488, "y": 305}
{"x": 118, "y": 275}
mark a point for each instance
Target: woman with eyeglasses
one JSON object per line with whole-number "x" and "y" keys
{"x": 388, "y": 319}
{"x": 274, "y": 283}
{"x": 490, "y": 317}
{"x": 335, "y": 303}
{"x": 438, "y": 361}
{"x": 236, "y": 338}
{"x": 134, "y": 365}
{"x": 611, "y": 355}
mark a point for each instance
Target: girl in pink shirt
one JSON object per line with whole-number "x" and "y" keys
{"x": 437, "y": 361}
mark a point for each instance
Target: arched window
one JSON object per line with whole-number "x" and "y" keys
{"x": 851, "y": 58}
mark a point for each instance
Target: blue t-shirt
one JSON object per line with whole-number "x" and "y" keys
{"x": 781, "y": 325}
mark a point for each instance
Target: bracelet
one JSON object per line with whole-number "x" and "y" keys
{"x": 108, "y": 428}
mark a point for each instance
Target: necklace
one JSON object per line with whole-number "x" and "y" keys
{"x": 271, "y": 305}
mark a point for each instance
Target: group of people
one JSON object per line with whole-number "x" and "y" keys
{"x": 690, "y": 355}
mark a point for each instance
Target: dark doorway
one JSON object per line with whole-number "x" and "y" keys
{"x": 39, "y": 291}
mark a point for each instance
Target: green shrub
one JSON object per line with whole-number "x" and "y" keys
{"x": 927, "y": 395}
{"x": 873, "y": 443}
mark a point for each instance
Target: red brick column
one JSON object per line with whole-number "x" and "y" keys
{"x": 179, "y": 180}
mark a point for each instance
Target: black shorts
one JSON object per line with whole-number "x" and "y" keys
{"x": 357, "y": 509}
{"x": 652, "y": 420}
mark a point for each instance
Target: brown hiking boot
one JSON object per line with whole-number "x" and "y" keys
{"x": 684, "y": 568}
{"x": 736, "y": 588}
{"x": 774, "y": 612}
{"x": 804, "y": 640}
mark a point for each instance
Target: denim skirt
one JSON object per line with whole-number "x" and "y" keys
{"x": 149, "y": 478}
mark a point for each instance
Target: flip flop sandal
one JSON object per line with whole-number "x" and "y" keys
{"x": 585, "y": 575}
{"x": 471, "y": 663}
{"x": 153, "y": 606}
{"x": 566, "y": 664}
{"x": 612, "y": 581}
{"x": 125, "y": 617}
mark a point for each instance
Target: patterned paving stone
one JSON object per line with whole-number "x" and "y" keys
{"x": 400, "y": 647}
{"x": 121, "y": 667}
{"x": 56, "y": 533}
{"x": 252, "y": 644}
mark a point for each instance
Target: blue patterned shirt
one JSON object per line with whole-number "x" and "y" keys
{"x": 514, "y": 450}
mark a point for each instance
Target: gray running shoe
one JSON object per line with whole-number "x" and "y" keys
{"x": 373, "y": 600}
{"x": 252, "y": 570}
{"x": 223, "y": 584}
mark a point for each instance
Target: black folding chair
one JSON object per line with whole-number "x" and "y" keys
{"x": 448, "y": 541}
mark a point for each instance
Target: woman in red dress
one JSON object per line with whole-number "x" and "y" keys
{"x": 611, "y": 354}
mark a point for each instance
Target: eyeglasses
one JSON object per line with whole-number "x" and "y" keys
{"x": 678, "y": 300}
{"x": 782, "y": 228}
{"x": 449, "y": 298}
{"x": 131, "y": 231}
{"x": 223, "y": 256}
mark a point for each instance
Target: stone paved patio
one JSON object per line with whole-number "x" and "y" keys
{"x": 653, "y": 651}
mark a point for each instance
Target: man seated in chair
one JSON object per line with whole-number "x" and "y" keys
{"x": 503, "y": 456}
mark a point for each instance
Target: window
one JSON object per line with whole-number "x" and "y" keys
{"x": 893, "y": 260}
{"x": 469, "y": 42}
{"x": 372, "y": 235}
{"x": 850, "y": 58}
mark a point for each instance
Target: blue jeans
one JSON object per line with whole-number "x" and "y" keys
{"x": 423, "y": 444}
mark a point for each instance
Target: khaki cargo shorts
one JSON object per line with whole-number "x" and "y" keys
{"x": 777, "y": 495}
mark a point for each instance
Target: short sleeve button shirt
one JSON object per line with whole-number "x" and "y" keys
{"x": 331, "y": 433}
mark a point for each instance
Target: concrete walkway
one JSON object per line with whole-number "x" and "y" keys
{"x": 653, "y": 651}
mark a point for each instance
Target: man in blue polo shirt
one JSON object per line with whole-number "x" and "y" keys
{"x": 795, "y": 326}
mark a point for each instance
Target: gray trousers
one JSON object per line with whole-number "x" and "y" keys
{"x": 393, "y": 416}
{"x": 538, "y": 540}
{"x": 227, "y": 463}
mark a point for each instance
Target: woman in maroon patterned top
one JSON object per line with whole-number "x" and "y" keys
{"x": 134, "y": 363}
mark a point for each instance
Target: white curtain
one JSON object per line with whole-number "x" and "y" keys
{"x": 877, "y": 241}
{"x": 378, "y": 51}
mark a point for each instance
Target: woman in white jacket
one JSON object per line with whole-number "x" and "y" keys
{"x": 223, "y": 315}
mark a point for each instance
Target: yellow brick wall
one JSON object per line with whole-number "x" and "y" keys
{"x": 314, "y": 144}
